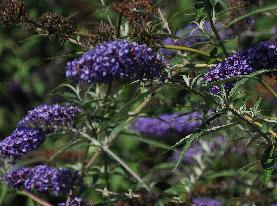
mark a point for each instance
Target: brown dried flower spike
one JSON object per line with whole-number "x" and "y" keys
{"x": 136, "y": 11}
{"x": 56, "y": 26}
{"x": 12, "y": 12}
{"x": 103, "y": 32}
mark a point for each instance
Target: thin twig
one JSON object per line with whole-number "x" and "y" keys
{"x": 250, "y": 122}
{"x": 186, "y": 49}
{"x": 63, "y": 149}
{"x": 35, "y": 198}
{"x": 93, "y": 158}
{"x": 118, "y": 25}
{"x": 269, "y": 88}
{"x": 260, "y": 125}
{"x": 73, "y": 41}
{"x": 204, "y": 65}
{"x": 164, "y": 21}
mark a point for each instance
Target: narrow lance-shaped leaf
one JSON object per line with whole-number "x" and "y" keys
{"x": 267, "y": 162}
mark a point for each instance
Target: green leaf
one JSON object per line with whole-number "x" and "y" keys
{"x": 267, "y": 175}
{"x": 256, "y": 106}
{"x": 213, "y": 53}
{"x": 235, "y": 89}
{"x": 267, "y": 162}
{"x": 3, "y": 192}
{"x": 30, "y": 202}
{"x": 140, "y": 98}
{"x": 257, "y": 11}
{"x": 268, "y": 159}
{"x": 193, "y": 138}
{"x": 224, "y": 173}
{"x": 199, "y": 4}
{"x": 247, "y": 168}
{"x": 149, "y": 141}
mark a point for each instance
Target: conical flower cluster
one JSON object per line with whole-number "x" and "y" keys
{"x": 244, "y": 62}
{"x": 117, "y": 60}
{"x": 42, "y": 178}
{"x": 31, "y": 130}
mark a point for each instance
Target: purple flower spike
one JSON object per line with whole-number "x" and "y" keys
{"x": 74, "y": 202}
{"x": 244, "y": 62}
{"x": 16, "y": 177}
{"x": 117, "y": 60}
{"x": 43, "y": 179}
{"x": 168, "y": 125}
{"x": 21, "y": 142}
{"x": 206, "y": 202}
{"x": 50, "y": 117}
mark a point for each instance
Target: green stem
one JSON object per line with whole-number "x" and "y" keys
{"x": 186, "y": 49}
{"x": 115, "y": 133}
{"x": 249, "y": 122}
{"x": 118, "y": 25}
{"x": 164, "y": 21}
{"x": 106, "y": 173}
{"x": 125, "y": 166}
{"x": 208, "y": 8}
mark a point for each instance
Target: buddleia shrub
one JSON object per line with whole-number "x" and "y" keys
{"x": 150, "y": 114}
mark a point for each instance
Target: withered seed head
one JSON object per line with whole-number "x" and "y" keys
{"x": 145, "y": 34}
{"x": 12, "y": 12}
{"x": 102, "y": 32}
{"x": 56, "y": 26}
{"x": 140, "y": 15}
{"x": 135, "y": 10}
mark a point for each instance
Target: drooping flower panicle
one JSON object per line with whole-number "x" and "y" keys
{"x": 117, "y": 60}
{"x": 51, "y": 117}
{"x": 244, "y": 62}
{"x": 21, "y": 142}
{"x": 42, "y": 178}
{"x": 168, "y": 125}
